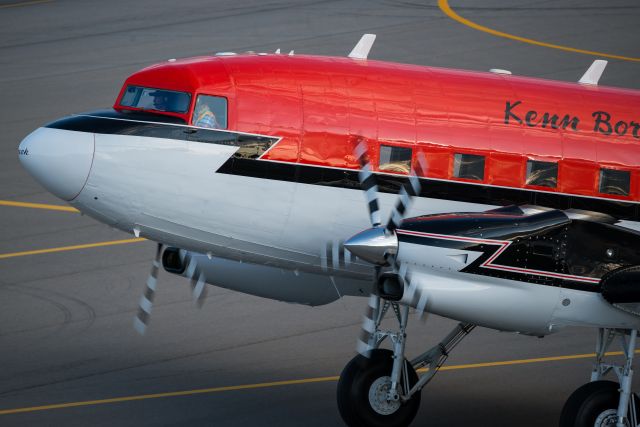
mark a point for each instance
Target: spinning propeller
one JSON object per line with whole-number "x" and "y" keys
{"x": 196, "y": 278}
{"x": 146, "y": 301}
{"x": 379, "y": 245}
{"x": 333, "y": 255}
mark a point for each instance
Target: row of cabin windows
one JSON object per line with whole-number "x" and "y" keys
{"x": 472, "y": 166}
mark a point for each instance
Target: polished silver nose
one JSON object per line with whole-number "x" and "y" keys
{"x": 373, "y": 245}
{"x": 58, "y": 159}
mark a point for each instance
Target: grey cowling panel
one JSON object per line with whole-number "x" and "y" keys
{"x": 263, "y": 281}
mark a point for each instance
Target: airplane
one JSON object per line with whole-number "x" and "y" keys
{"x": 499, "y": 201}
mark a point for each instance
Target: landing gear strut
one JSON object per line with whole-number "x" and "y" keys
{"x": 606, "y": 403}
{"x": 381, "y": 388}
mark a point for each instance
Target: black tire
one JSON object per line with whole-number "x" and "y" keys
{"x": 347, "y": 377}
{"x": 588, "y": 402}
{"x": 353, "y": 392}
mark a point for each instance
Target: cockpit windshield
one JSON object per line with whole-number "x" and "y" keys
{"x": 156, "y": 99}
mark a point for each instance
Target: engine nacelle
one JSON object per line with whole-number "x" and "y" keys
{"x": 622, "y": 286}
{"x": 264, "y": 281}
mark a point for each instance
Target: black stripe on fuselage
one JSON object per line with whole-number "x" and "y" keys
{"x": 245, "y": 163}
{"x": 144, "y": 124}
{"x": 445, "y": 190}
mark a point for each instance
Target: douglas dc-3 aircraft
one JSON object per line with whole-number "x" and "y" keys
{"x": 249, "y": 170}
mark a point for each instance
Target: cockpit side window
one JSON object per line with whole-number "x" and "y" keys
{"x": 156, "y": 99}
{"x": 210, "y": 112}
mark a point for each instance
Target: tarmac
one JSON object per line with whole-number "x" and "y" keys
{"x": 68, "y": 353}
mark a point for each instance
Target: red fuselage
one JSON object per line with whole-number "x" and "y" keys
{"x": 321, "y": 107}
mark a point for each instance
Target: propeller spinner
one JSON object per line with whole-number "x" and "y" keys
{"x": 379, "y": 245}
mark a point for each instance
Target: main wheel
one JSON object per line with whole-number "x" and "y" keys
{"x": 595, "y": 404}
{"x": 362, "y": 393}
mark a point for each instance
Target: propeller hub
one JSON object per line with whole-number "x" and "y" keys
{"x": 373, "y": 245}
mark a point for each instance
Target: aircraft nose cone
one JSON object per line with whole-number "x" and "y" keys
{"x": 373, "y": 245}
{"x": 60, "y": 160}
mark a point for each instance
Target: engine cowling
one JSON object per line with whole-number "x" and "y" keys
{"x": 622, "y": 286}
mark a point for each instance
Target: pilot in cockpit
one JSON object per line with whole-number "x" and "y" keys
{"x": 204, "y": 117}
{"x": 163, "y": 100}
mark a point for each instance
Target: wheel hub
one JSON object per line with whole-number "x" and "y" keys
{"x": 608, "y": 418}
{"x": 379, "y": 397}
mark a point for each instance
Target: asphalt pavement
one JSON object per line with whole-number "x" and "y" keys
{"x": 68, "y": 353}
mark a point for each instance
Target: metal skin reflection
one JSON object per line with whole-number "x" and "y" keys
{"x": 264, "y": 206}
{"x": 439, "y": 111}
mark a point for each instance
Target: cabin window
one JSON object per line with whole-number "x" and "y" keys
{"x": 156, "y": 99}
{"x": 615, "y": 182}
{"x": 469, "y": 166}
{"x": 395, "y": 159}
{"x": 210, "y": 112}
{"x": 543, "y": 174}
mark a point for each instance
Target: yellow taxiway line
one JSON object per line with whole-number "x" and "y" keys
{"x": 526, "y": 361}
{"x": 281, "y": 383}
{"x": 72, "y": 248}
{"x": 61, "y": 248}
{"x": 24, "y": 3}
{"x": 447, "y": 10}
{"x": 38, "y": 206}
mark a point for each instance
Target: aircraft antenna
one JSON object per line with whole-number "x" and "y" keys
{"x": 593, "y": 74}
{"x": 362, "y": 48}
